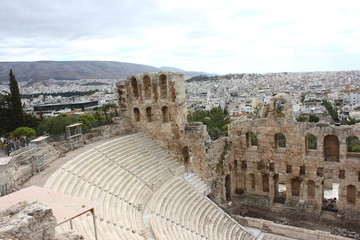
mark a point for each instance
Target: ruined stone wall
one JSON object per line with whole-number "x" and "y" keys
{"x": 22, "y": 166}
{"x": 290, "y": 231}
{"x": 23, "y": 163}
{"x": 121, "y": 126}
{"x": 282, "y": 154}
{"x": 261, "y": 168}
{"x": 155, "y": 103}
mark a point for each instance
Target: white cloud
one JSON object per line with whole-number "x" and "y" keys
{"x": 214, "y": 36}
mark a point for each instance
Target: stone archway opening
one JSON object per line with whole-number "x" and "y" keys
{"x": 295, "y": 187}
{"x": 265, "y": 183}
{"x": 147, "y": 87}
{"x": 280, "y": 108}
{"x": 311, "y": 189}
{"x": 331, "y": 148}
{"x": 331, "y": 195}
{"x": 185, "y": 154}
{"x": 251, "y": 139}
{"x": 353, "y": 146}
{"x": 163, "y": 86}
{"x": 228, "y": 187}
{"x": 134, "y": 87}
{"x": 137, "y": 114}
{"x": 280, "y": 140}
{"x": 351, "y": 194}
{"x": 165, "y": 114}
{"x": 252, "y": 181}
{"x": 148, "y": 114}
{"x": 311, "y": 142}
{"x": 279, "y": 189}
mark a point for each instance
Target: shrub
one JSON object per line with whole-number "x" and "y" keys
{"x": 24, "y": 131}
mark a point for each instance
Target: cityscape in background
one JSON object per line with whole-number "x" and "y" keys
{"x": 243, "y": 96}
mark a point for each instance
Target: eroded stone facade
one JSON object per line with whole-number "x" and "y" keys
{"x": 155, "y": 103}
{"x": 259, "y": 158}
{"x": 307, "y": 159}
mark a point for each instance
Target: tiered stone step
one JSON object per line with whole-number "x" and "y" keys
{"x": 179, "y": 211}
{"x": 196, "y": 183}
{"x": 121, "y": 176}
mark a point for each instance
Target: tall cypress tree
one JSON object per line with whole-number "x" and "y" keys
{"x": 5, "y": 114}
{"x": 17, "y": 114}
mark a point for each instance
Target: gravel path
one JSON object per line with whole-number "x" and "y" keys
{"x": 40, "y": 178}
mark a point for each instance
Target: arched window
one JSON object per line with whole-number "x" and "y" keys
{"x": 163, "y": 86}
{"x": 148, "y": 114}
{"x": 311, "y": 142}
{"x": 265, "y": 183}
{"x": 137, "y": 114}
{"x": 353, "y": 144}
{"x": 351, "y": 194}
{"x": 251, "y": 139}
{"x": 311, "y": 189}
{"x": 134, "y": 87}
{"x": 252, "y": 181}
{"x": 280, "y": 140}
{"x": 165, "y": 114}
{"x": 295, "y": 187}
{"x": 147, "y": 87}
{"x": 280, "y": 108}
{"x": 331, "y": 148}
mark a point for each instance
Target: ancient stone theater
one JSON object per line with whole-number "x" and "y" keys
{"x": 165, "y": 178}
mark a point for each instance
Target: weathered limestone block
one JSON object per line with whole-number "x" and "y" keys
{"x": 27, "y": 220}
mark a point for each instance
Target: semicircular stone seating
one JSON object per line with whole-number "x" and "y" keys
{"x": 134, "y": 181}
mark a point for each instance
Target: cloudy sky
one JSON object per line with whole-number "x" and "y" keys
{"x": 213, "y": 36}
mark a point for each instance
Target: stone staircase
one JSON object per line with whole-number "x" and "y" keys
{"x": 142, "y": 193}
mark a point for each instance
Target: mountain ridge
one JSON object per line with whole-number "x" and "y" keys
{"x": 71, "y": 70}
{"x": 74, "y": 70}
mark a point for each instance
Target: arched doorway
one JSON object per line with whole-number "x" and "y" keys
{"x": 331, "y": 148}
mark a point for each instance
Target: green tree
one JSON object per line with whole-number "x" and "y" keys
{"x": 253, "y": 139}
{"x": 87, "y": 120}
{"x": 355, "y": 148}
{"x": 17, "y": 114}
{"x": 302, "y": 118}
{"x": 24, "y": 131}
{"x": 5, "y": 112}
{"x": 349, "y": 121}
{"x": 56, "y": 125}
{"x": 216, "y": 120}
{"x": 312, "y": 142}
{"x": 106, "y": 107}
{"x": 313, "y": 118}
{"x": 331, "y": 111}
{"x": 302, "y": 98}
{"x": 353, "y": 143}
{"x": 198, "y": 116}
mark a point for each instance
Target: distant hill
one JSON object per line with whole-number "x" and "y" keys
{"x": 72, "y": 70}
{"x": 69, "y": 70}
{"x": 187, "y": 74}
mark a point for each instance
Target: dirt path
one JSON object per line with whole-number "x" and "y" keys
{"x": 40, "y": 179}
